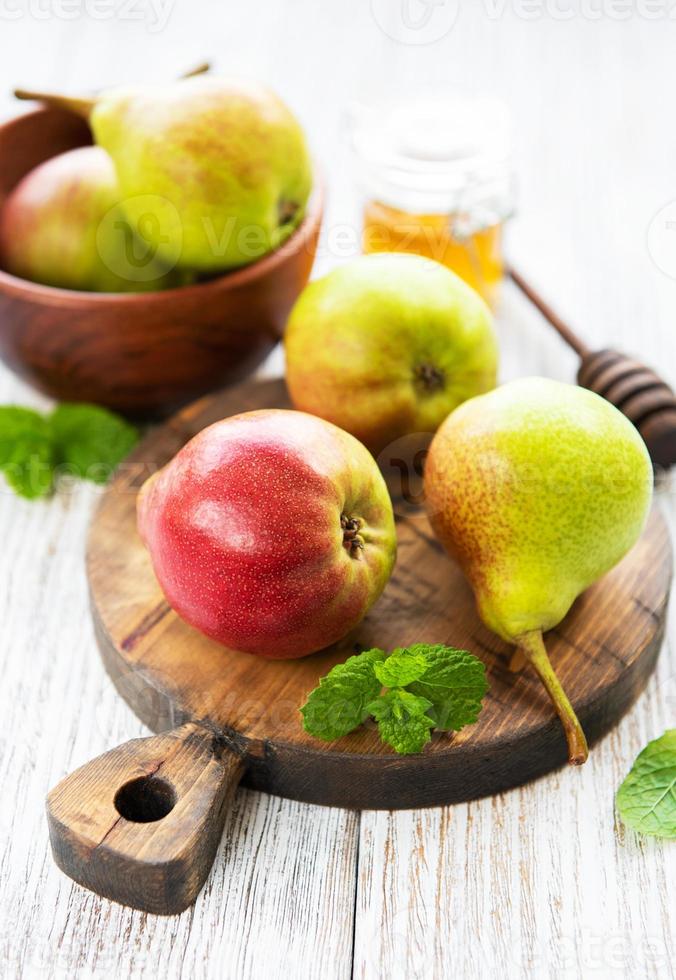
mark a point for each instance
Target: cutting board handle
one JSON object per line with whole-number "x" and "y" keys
{"x": 140, "y": 824}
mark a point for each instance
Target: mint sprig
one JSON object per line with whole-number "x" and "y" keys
{"x": 646, "y": 800}
{"x": 427, "y": 686}
{"x": 86, "y": 441}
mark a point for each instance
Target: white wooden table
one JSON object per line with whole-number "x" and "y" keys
{"x": 540, "y": 881}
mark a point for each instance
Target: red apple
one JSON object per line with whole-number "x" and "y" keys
{"x": 271, "y": 532}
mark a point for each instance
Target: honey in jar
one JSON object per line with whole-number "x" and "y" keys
{"x": 436, "y": 179}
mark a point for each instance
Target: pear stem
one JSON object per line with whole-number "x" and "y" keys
{"x": 81, "y": 107}
{"x": 200, "y": 69}
{"x": 533, "y": 648}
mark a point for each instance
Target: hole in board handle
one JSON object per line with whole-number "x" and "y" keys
{"x": 145, "y": 799}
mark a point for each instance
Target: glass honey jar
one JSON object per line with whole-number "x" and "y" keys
{"x": 436, "y": 178}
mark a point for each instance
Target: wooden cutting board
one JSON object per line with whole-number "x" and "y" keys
{"x": 141, "y": 823}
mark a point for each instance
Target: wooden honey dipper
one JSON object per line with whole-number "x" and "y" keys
{"x": 635, "y": 389}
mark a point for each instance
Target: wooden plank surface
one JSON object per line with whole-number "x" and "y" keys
{"x": 540, "y": 882}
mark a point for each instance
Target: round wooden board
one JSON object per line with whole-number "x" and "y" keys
{"x": 604, "y": 652}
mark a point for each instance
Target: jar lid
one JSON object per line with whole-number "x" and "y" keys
{"x": 436, "y": 156}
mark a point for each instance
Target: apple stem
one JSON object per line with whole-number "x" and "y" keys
{"x": 533, "y": 647}
{"x": 81, "y": 107}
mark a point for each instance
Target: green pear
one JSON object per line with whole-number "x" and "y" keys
{"x": 214, "y": 171}
{"x": 537, "y": 489}
{"x": 62, "y": 226}
{"x": 388, "y": 345}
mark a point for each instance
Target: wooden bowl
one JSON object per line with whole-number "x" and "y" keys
{"x": 140, "y": 354}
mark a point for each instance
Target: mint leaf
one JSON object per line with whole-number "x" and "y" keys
{"x": 30, "y": 470}
{"x": 340, "y": 702}
{"x": 90, "y": 440}
{"x": 401, "y": 668}
{"x": 26, "y": 454}
{"x": 455, "y": 684}
{"x": 646, "y": 800}
{"x": 19, "y": 426}
{"x": 402, "y": 720}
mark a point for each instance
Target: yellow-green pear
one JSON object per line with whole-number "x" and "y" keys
{"x": 216, "y": 168}
{"x": 387, "y": 345}
{"x": 537, "y": 489}
{"x": 214, "y": 171}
